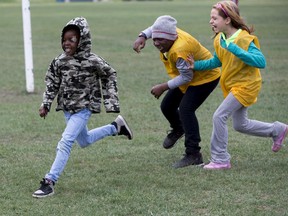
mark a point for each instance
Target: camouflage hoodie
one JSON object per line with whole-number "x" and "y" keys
{"x": 81, "y": 80}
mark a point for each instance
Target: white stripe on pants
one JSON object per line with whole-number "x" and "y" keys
{"x": 241, "y": 123}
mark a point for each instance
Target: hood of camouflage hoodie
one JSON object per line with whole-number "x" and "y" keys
{"x": 76, "y": 79}
{"x": 85, "y": 43}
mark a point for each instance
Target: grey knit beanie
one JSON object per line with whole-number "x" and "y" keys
{"x": 165, "y": 27}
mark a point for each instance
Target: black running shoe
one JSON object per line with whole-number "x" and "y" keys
{"x": 123, "y": 128}
{"x": 46, "y": 189}
{"x": 188, "y": 160}
{"x": 172, "y": 138}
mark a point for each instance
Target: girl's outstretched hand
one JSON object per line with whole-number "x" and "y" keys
{"x": 190, "y": 60}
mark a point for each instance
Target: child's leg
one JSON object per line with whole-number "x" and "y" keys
{"x": 86, "y": 137}
{"x": 75, "y": 124}
{"x": 191, "y": 101}
{"x": 242, "y": 124}
{"x": 170, "y": 109}
{"x": 276, "y": 130}
{"x": 118, "y": 127}
{"x": 219, "y": 138}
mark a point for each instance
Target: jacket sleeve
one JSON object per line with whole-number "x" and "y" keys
{"x": 253, "y": 57}
{"x": 185, "y": 74}
{"x": 148, "y": 32}
{"x": 53, "y": 82}
{"x": 108, "y": 77}
{"x": 208, "y": 64}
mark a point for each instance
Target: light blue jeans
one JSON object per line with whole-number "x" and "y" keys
{"x": 76, "y": 129}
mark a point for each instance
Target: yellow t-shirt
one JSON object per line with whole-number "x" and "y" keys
{"x": 184, "y": 45}
{"x": 242, "y": 80}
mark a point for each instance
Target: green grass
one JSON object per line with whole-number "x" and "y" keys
{"x": 120, "y": 177}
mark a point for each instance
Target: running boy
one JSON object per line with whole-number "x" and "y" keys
{"x": 77, "y": 76}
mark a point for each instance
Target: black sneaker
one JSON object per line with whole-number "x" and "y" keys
{"x": 172, "y": 138}
{"x": 188, "y": 160}
{"x": 46, "y": 189}
{"x": 123, "y": 128}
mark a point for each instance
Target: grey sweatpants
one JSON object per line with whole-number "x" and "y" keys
{"x": 231, "y": 107}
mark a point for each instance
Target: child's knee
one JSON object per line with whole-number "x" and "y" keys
{"x": 239, "y": 127}
{"x": 64, "y": 146}
{"x": 218, "y": 118}
{"x": 83, "y": 144}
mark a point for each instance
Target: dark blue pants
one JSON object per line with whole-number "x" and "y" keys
{"x": 179, "y": 109}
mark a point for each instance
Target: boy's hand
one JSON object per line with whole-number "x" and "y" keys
{"x": 139, "y": 44}
{"x": 43, "y": 112}
{"x": 159, "y": 89}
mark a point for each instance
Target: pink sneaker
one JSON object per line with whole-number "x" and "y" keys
{"x": 217, "y": 166}
{"x": 277, "y": 145}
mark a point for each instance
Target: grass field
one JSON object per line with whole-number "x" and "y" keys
{"x": 130, "y": 178}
